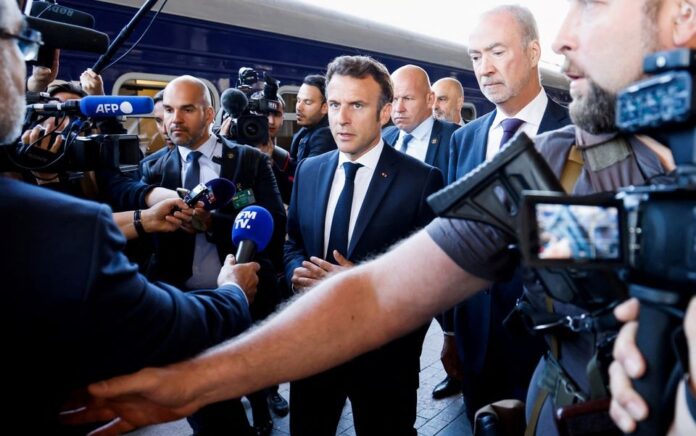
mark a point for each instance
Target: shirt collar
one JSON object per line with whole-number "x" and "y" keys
{"x": 368, "y": 160}
{"x": 422, "y": 131}
{"x": 207, "y": 148}
{"x": 530, "y": 114}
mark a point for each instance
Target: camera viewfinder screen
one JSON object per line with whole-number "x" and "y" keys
{"x": 578, "y": 232}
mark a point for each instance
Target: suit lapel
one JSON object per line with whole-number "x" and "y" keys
{"x": 229, "y": 162}
{"x": 384, "y": 175}
{"x": 481, "y": 137}
{"x": 553, "y": 117}
{"x": 323, "y": 182}
{"x": 171, "y": 176}
{"x": 434, "y": 143}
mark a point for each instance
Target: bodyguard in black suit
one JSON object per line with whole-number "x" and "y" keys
{"x": 348, "y": 205}
{"x": 504, "y": 48}
{"x": 189, "y": 259}
{"x": 415, "y": 131}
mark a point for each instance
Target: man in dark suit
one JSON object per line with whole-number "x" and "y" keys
{"x": 415, "y": 131}
{"x": 186, "y": 259}
{"x": 75, "y": 308}
{"x": 314, "y": 137}
{"x": 348, "y": 205}
{"x": 504, "y": 48}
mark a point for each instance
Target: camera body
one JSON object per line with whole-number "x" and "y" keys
{"x": 250, "y": 127}
{"x": 649, "y": 232}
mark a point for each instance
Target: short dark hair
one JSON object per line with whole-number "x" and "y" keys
{"x": 360, "y": 67}
{"x": 159, "y": 96}
{"x": 318, "y": 81}
{"x": 65, "y": 86}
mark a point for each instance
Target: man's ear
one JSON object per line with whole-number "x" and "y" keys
{"x": 324, "y": 108}
{"x": 534, "y": 52}
{"x": 685, "y": 25}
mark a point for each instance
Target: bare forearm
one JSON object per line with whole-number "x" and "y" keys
{"x": 158, "y": 194}
{"x": 343, "y": 317}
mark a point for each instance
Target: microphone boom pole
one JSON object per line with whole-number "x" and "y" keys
{"x": 122, "y": 36}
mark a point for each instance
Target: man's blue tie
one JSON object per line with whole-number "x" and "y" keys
{"x": 404, "y": 142}
{"x": 510, "y": 126}
{"x": 338, "y": 238}
{"x": 192, "y": 176}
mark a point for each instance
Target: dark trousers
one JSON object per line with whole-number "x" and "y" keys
{"x": 380, "y": 406}
{"x": 223, "y": 418}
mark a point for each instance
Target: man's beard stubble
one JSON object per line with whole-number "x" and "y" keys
{"x": 594, "y": 112}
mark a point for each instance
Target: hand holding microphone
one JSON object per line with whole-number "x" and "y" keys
{"x": 252, "y": 231}
{"x": 241, "y": 274}
{"x": 214, "y": 194}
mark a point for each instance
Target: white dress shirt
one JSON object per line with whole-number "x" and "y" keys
{"x": 362, "y": 181}
{"x": 206, "y": 263}
{"x": 530, "y": 114}
{"x": 418, "y": 146}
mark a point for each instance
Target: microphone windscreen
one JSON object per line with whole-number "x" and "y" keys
{"x": 63, "y": 14}
{"x": 221, "y": 193}
{"x": 69, "y": 37}
{"x": 115, "y": 105}
{"x": 234, "y": 102}
{"x": 253, "y": 223}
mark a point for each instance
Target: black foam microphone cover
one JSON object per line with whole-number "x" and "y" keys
{"x": 234, "y": 102}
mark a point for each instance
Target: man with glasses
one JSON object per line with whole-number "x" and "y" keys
{"x": 75, "y": 308}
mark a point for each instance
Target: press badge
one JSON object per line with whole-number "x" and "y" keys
{"x": 243, "y": 199}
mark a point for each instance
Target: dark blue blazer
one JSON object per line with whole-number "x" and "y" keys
{"x": 248, "y": 168}
{"x": 438, "y": 150}
{"x": 75, "y": 310}
{"x": 394, "y": 207}
{"x": 478, "y": 320}
{"x": 467, "y": 148}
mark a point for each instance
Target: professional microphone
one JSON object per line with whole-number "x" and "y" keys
{"x": 234, "y": 102}
{"x": 251, "y": 232}
{"x": 220, "y": 193}
{"x": 100, "y": 106}
{"x": 67, "y": 36}
{"x": 214, "y": 194}
{"x": 54, "y": 12}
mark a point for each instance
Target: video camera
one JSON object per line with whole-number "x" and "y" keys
{"x": 595, "y": 251}
{"x": 249, "y": 105}
{"x": 80, "y": 149}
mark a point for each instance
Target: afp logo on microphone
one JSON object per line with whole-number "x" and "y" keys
{"x": 125, "y": 108}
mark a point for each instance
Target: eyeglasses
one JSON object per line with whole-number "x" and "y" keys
{"x": 28, "y": 41}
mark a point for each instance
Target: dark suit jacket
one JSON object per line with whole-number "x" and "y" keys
{"x": 76, "y": 311}
{"x": 249, "y": 169}
{"x": 395, "y": 206}
{"x": 467, "y": 148}
{"x": 478, "y": 320}
{"x": 310, "y": 141}
{"x": 438, "y": 150}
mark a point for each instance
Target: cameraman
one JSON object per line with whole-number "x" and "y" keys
{"x": 355, "y": 311}
{"x": 75, "y": 309}
{"x": 314, "y": 137}
{"x": 627, "y": 407}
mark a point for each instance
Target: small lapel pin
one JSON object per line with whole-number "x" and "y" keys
{"x": 384, "y": 175}
{"x": 434, "y": 141}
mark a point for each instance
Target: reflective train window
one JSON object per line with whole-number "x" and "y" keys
{"x": 143, "y": 84}
{"x": 289, "y": 95}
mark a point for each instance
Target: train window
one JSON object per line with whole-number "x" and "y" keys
{"x": 468, "y": 112}
{"x": 143, "y": 84}
{"x": 289, "y": 94}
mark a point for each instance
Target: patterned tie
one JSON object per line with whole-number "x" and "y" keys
{"x": 510, "y": 126}
{"x": 338, "y": 238}
{"x": 404, "y": 142}
{"x": 193, "y": 170}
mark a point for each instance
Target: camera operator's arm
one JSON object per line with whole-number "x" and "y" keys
{"x": 92, "y": 82}
{"x": 166, "y": 216}
{"x": 627, "y": 407}
{"x": 40, "y": 137}
{"x": 42, "y": 76}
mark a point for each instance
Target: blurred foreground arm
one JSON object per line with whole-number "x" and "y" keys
{"x": 346, "y": 315}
